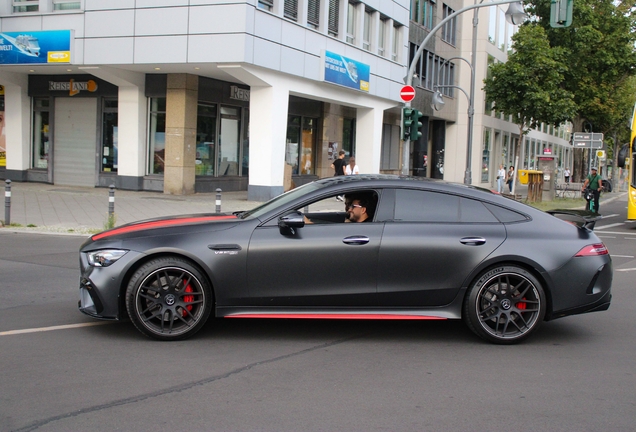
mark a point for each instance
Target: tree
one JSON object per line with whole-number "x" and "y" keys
{"x": 529, "y": 86}
{"x": 599, "y": 52}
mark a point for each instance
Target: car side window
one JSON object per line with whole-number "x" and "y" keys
{"x": 506, "y": 215}
{"x": 426, "y": 206}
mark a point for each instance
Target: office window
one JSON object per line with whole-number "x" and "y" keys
{"x": 395, "y": 49}
{"x": 291, "y": 9}
{"x": 382, "y": 37}
{"x": 501, "y": 34}
{"x": 433, "y": 70}
{"x": 492, "y": 25}
{"x": 366, "y": 32}
{"x": 334, "y": 17}
{"x": 313, "y": 13}
{"x": 488, "y": 102}
{"x": 63, "y": 5}
{"x": 450, "y": 28}
{"x": 267, "y": 5}
{"x": 351, "y": 23}
{"x": 423, "y": 12}
{"x": 26, "y": 5}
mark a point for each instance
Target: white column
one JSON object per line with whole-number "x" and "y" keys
{"x": 369, "y": 139}
{"x": 268, "y": 133}
{"x": 131, "y": 137}
{"x": 17, "y": 120}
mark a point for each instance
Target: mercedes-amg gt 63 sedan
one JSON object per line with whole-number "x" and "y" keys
{"x": 416, "y": 249}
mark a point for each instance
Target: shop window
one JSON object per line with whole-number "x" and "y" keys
{"x": 157, "y": 135}
{"x": 299, "y": 149}
{"x": 485, "y": 158}
{"x": 390, "y": 147}
{"x": 109, "y": 135}
{"x": 26, "y": 5}
{"x": 206, "y": 140}
{"x": 246, "y": 143}
{"x": 229, "y": 143}
{"x": 41, "y": 135}
{"x": 349, "y": 136}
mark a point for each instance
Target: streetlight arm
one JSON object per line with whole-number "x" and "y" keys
{"x": 420, "y": 49}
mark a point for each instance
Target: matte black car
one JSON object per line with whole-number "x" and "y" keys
{"x": 428, "y": 250}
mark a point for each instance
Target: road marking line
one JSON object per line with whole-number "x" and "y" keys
{"x": 622, "y": 256}
{"x": 625, "y": 233}
{"x": 626, "y": 270}
{"x": 609, "y": 226}
{"x": 609, "y": 216}
{"x": 60, "y": 327}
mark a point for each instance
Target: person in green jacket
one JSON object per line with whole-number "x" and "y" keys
{"x": 595, "y": 183}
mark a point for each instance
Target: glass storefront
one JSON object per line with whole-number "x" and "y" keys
{"x": 157, "y": 135}
{"x": 41, "y": 135}
{"x": 206, "y": 140}
{"x": 109, "y": 135}
{"x": 299, "y": 148}
{"x": 485, "y": 158}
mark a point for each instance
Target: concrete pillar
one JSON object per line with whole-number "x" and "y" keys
{"x": 17, "y": 122}
{"x": 268, "y": 133}
{"x": 181, "y": 128}
{"x": 369, "y": 139}
{"x": 131, "y": 135}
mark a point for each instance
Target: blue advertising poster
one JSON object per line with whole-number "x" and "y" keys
{"x": 35, "y": 47}
{"x": 346, "y": 72}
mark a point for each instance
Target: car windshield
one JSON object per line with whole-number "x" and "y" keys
{"x": 281, "y": 200}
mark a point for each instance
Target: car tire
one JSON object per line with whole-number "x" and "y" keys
{"x": 168, "y": 298}
{"x": 505, "y": 305}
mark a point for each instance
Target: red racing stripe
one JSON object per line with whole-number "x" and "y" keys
{"x": 336, "y": 316}
{"x": 159, "y": 224}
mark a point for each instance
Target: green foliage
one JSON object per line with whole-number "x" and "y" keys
{"x": 529, "y": 86}
{"x": 110, "y": 222}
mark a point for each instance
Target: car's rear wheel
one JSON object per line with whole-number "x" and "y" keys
{"x": 505, "y": 305}
{"x": 168, "y": 299}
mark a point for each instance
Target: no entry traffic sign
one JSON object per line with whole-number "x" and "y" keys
{"x": 407, "y": 93}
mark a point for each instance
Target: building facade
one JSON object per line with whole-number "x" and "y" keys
{"x": 185, "y": 96}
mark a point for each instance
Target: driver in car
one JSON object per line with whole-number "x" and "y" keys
{"x": 359, "y": 208}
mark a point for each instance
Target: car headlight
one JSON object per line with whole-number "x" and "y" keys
{"x": 106, "y": 257}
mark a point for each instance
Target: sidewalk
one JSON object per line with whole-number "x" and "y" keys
{"x": 58, "y": 209}
{"x": 84, "y": 210}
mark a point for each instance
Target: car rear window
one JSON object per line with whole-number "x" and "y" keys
{"x": 426, "y": 206}
{"x": 506, "y": 215}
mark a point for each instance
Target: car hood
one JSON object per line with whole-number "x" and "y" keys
{"x": 143, "y": 226}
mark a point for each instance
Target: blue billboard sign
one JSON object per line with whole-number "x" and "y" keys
{"x": 346, "y": 72}
{"x": 52, "y": 46}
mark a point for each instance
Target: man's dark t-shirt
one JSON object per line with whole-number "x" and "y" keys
{"x": 339, "y": 165}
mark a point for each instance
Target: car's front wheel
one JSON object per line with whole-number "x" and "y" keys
{"x": 505, "y": 305}
{"x": 168, "y": 299}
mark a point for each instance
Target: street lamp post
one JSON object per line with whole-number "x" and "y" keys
{"x": 515, "y": 15}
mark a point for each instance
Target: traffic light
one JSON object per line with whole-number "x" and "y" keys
{"x": 416, "y": 125}
{"x": 561, "y": 13}
{"x": 407, "y": 121}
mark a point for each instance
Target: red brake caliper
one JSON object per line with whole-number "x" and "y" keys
{"x": 522, "y": 305}
{"x": 188, "y": 299}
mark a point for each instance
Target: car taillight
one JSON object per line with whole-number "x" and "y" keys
{"x": 593, "y": 250}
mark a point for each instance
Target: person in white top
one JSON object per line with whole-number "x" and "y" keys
{"x": 501, "y": 176}
{"x": 351, "y": 167}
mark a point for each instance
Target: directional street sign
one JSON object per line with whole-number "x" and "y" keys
{"x": 407, "y": 93}
{"x": 587, "y": 140}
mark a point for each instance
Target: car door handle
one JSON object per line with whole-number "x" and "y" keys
{"x": 356, "y": 240}
{"x": 476, "y": 241}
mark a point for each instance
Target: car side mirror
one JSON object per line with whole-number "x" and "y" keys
{"x": 289, "y": 223}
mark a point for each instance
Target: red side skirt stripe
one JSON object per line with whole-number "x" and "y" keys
{"x": 337, "y": 316}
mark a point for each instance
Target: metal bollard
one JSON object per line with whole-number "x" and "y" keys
{"x": 7, "y": 203}
{"x": 111, "y": 201}
{"x": 218, "y": 200}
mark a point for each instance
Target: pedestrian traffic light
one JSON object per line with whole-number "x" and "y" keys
{"x": 416, "y": 125}
{"x": 561, "y": 13}
{"x": 407, "y": 122}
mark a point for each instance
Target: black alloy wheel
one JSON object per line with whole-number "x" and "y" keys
{"x": 505, "y": 305}
{"x": 168, "y": 299}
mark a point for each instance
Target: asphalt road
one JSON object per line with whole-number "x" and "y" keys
{"x": 576, "y": 374}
